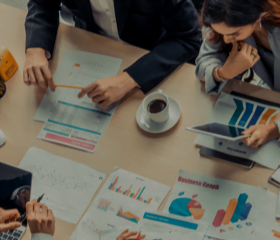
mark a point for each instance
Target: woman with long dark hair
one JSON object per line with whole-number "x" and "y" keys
{"x": 242, "y": 40}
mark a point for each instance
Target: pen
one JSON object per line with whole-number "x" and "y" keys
{"x": 23, "y": 216}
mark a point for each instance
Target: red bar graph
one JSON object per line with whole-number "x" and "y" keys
{"x": 219, "y": 218}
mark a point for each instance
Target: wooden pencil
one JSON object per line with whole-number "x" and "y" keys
{"x": 67, "y": 86}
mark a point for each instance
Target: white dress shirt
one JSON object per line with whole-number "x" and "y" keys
{"x": 41, "y": 236}
{"x": 105, "y": 17}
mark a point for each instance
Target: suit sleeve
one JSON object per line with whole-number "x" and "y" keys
{"x": 208, "y": 59}
{"x": 41, "y": 24}
{"x": 180, "y": 44}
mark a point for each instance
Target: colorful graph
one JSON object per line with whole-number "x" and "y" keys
{"x": 56, "y": 180}
{"x": 104, "y": 205}
{"x": 129, "y": 193}
{"x": 236, "y": 210}
{"x": 259, "y": 116}
{"x": 128, "y": 216}
{"x": 276, "y": 233}
{"x": 187, "y": 207}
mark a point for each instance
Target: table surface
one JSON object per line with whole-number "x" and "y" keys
{"x": 158, "y": 157}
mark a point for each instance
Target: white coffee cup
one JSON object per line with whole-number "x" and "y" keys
{"x": 161, "y": 116}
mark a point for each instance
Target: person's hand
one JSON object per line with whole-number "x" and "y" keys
{"x": 126, "y": 234}
{"x": 36, "y": 69}
{"x": 239, "y": 60}
{"x": 108, "y": 90}
{"x": 260, "y": 134}
{"x": 40, "y": 218}
{"x": 8, "y": 220}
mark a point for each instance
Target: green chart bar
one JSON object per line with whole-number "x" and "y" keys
{"x": 237, "y": 113}
{"x": 239, "y": 208}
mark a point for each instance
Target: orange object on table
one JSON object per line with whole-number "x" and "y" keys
{"x": 8, "y": 64}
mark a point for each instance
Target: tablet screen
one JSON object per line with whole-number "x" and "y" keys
{"x": 220, "y": 129}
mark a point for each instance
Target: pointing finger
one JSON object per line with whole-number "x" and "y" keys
{"x": 87, "y": 89}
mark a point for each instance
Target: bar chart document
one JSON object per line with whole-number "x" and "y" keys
{"x": 80, "y": 69}
{"x": 231, "y": 209}
{"x": 68, "y": 186}
{"x": 122, "y": 201}
{"x": 243, "y": 112}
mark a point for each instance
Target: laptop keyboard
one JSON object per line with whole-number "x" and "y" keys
{"x": 15, "y": 235}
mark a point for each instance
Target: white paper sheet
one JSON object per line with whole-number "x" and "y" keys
{"x": 209, "y": 199}
{"x": 123, "y": 200}
{"x": 158, "y": 222}
{"x": 246, "y": 114}
{"x": 75, "y": 126}
{"x": 151, "y": 234}
{"x": 21, "y": 4}
{"x": 77, "y": 68}
{"x": 68, "y": 186}
{"x": 267, "y": 227}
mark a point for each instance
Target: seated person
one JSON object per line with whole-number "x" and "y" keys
{"x": 41, "y": 222}
{"x": 241, "y": 36}
{"x": 169, "y": 29}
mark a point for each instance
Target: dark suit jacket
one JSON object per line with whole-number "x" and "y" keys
{"x": 169, "y": 28}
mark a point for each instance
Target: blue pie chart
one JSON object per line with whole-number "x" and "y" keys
{"x": 179, "y": 207}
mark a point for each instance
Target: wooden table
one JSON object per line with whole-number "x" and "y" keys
{"x": 158, "y": 157}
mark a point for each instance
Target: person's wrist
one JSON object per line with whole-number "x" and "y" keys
{"x": 273, "y": 131}
{"x": 130, "y": 83}
{"x": 224, "y": 73}
{"x": 40, "y": 51}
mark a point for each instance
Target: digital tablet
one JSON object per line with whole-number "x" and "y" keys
{"x": 218, "y": 130}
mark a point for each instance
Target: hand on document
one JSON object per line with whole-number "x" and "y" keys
{"x": 108, "y": 90}
{"x": 36, "y": 69}
{"x": 40, "y": 219}
{"x": 260, "y": 134}
{"x": 129, "y": 235}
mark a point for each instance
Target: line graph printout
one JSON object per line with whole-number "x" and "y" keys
{"x": 68, "y": 186}
{"x": 231, "y": 209}
{"x": 113, "y": 208}
{"x": 241, "y": 112}
{"x": 80, "y": 69}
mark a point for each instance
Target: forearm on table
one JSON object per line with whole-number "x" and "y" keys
{"x": 154, "y": 67}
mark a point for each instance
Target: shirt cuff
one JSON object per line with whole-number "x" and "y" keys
{"x": 41, "y": 236}
{"x": 211, "y": 85}
{"x": 277, "y": 123}
{"x": 48, "y": 54}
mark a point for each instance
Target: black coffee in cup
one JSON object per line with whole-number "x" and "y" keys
{"x": 156, "y": 106}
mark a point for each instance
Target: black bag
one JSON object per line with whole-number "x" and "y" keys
{"x": 2, "y": 88}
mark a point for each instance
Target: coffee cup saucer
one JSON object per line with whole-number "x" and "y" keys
{"x": 148, "y": 125}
